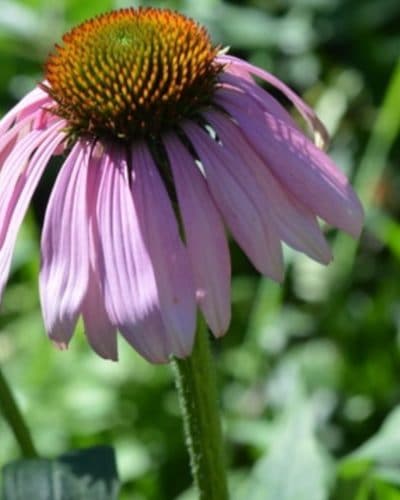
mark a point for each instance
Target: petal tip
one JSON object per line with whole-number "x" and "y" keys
{"x": 220, "y": 332}
{"x": 105, "y": 353}
{"x": 60, "y": 345}
{"x": 276, "y": 274}
{"x": 356, "y": 218}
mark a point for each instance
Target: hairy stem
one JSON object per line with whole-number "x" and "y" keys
{"x": 196, "y": 384}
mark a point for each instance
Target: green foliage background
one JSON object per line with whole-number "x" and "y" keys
{"x": 309, "y": 371}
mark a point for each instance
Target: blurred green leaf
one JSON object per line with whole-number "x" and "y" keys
{"x": 384, "y": 132}
{"x": 383, "y": 491}
{"x": 373, "y": 470}
{"x": 88, "y": 474}
{"x": 384, "y": 447}
{"x": 369, "y": 174}
{"x": 353, "y": 481}
{"x": 295, "y": 467}
{"x": 390, "y": 475}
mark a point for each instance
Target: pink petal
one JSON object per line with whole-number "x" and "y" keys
{"x": 14, "y": 171}
{"x": 126, "y": 271}
{"x": 170, "y": 260}
{"x": 8, "y": 139}
{"x": 18, "y": 180}
{"x": 205, "y": 237}
{"x": 296, "y": 225}
{"x": 241, "y": 202}
{"x": 32, "y": 102}
{"x": 65, "y": 247}
{"x": 249, "y": 91}
{"x": 100, "y": 331}
{"x": 306, "y": 171}
{"x": 320, "y": 133}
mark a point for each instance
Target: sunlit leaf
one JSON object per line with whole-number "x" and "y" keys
{"x": 384, "y": 447}
{"x": 295, "y": 467}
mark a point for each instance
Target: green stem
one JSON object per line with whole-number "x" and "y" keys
{"x": 13, "y": 415}
{"x": 196, "y": 384}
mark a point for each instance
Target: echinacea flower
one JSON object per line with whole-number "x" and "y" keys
{"x": 168, "y": 142}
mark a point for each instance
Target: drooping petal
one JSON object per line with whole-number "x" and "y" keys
{"x": 241, "y": 202}
{"x": 205, "y": 237}
{"x": 296, "y": 224}
{"x": 18, "y": 180}
{"x": 131, "y": 295}
{"x": 14, "y": 170}
{"x": 321, "y": 136}
{"x": 9, "y": 138}
{"x": 249, "y": 91}
{"x": 99, "y": 330}
{"x": 16, "y": 167}
{"x": 6, "y": 148}
{"x": 65, "y": 247}
{"x": 27, "y": 106}
{"x": 302, "y": 168}
{"x": 169, "y": 256}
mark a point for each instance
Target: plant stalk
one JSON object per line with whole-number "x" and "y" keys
{"x": 196, "y": 384}
{"x": 13, "y": 416}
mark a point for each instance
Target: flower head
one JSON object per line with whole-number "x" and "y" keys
{"x": 167, "y": 142}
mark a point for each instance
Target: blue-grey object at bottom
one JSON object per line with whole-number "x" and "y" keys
{"x": 88, "y": 474}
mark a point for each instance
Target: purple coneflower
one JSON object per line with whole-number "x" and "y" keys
{"x": 167, "y": 142}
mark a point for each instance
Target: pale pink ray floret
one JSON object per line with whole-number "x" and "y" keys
{"x": 112, "y": 247}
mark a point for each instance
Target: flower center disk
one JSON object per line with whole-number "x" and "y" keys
{"x": 132, "y": 73}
